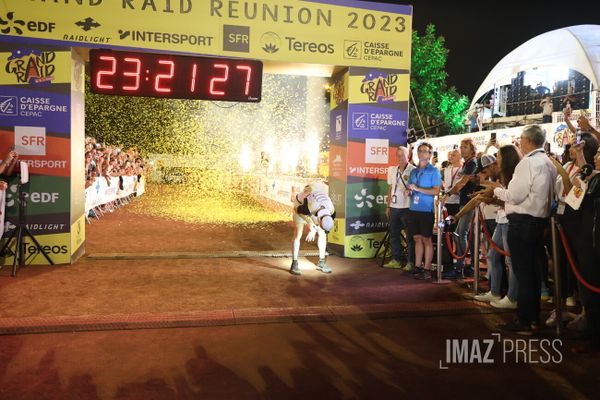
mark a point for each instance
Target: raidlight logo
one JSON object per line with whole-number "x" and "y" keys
{"x": 357, "y": 244}
{"x": 338, "y": 124}
{"x": 481, "y": 351}
{"x": 380, "y": 87}
{"x": 9, "y": 105}
{"x": 270, "y": 42}
{"x": 87, "y": 24}
{"x": 30, "y": 140}
{"x": 357, "y": 225}
{"x": 31, "y": 66}
{"x": 236, "y": 38}
{"x": 376, "y": 151}
{"x": 10, "y": 24}
{"x": 352, "y": 49}
{"x": 8, "y": 226}
{"x": 360, "y": 121}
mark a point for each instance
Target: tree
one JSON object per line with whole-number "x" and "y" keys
{"x": 441, "y": 108}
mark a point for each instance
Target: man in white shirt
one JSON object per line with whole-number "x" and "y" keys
{"x": 398, "y": 202}
{"x": 452, "y": 174}
{"x": 528, "y": 199}
{"x": 314, "y": 208}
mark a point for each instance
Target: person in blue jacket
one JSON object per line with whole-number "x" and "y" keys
{"x": 424, "y": 183}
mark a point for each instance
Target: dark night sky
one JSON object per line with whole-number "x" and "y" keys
{"x": 479, "y": 34}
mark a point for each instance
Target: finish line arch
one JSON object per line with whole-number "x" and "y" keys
{"x": 364, "y": 47}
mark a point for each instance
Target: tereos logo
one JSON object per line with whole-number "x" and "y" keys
{"x": 270, "y": 42}
{"x": 357, "y": 244}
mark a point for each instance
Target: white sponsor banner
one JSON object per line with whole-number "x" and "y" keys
{"x": 101, "y": 192}
{"x": 555, "y": 132}
{"x": 279, "y": 189}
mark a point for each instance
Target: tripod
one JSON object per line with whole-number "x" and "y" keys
{"x": 19, "y": 232}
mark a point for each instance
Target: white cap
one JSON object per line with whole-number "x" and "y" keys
{"x": 327, "y": 223}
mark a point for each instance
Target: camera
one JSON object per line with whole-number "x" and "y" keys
{"x": 449, "y": 224}
{"x": 493, "y": 136}
{"x": 411, "y": 136}
{"x": 435, "y": 154}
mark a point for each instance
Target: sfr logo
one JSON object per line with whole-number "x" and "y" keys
{"x": 30, "y": 140}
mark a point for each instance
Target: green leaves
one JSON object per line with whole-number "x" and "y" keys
{"x": 440, "y": 107}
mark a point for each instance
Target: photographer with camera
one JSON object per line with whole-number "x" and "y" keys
{"x": 398, "y": 202}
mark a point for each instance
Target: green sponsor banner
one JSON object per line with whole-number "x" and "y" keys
{"x": 366, "y": 198}
{"x": 337, "y": 193}
{"x": 43, "y": 194}
{"x": 363, "y": 246}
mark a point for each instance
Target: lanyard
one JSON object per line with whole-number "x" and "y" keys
{"x": 571, "y": 168}
{"x": 454, "y": 175}
{"x": 399, "y": 176}
{"x": 536, "y": 152}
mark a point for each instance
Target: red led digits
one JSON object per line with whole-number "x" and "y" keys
{"x": 193, "y": 85}
{"x": 136, "y": 74}
{"x": 223, "y": 79}
{"x": 248, "y": 70}
{"x": 168, "y": 76}
{"x": 128, "y": 73}
{"x": 101, "y": 73}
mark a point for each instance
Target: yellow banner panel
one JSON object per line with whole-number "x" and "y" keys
{"x": 346, "y": 33}
{"x": 339, "y": 90}
{"x": 56, "y": 247}
{"x": 77, "y": 234}
{"x": 379, "y": 87}
{"x": 363, "y": 246}
{"x": 337, "y": 233}
{"x": 40, "y": 66}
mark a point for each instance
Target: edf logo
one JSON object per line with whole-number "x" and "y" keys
{"x": 30, "y": 140}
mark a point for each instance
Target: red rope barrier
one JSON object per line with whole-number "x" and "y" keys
{"x": 565, "y": 243}
{"x": 451, "y": 249}
{"x": 489, "y": 238}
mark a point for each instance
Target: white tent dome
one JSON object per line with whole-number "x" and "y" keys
{"x": 575, "y": 47}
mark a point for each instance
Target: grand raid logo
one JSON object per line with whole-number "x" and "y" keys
{"x": 31, "y": 66}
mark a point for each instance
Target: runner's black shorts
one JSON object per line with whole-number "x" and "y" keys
{"x": 420, "y": 223}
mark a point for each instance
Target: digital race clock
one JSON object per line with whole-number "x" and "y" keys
{"x": 126, "y": 73}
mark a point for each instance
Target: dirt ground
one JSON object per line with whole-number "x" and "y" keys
{"x": 357, "y": 356}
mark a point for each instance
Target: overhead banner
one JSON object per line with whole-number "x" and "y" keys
{"x": 334, "y": 32}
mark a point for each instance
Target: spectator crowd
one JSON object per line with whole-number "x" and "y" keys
{"x": 517, "y": 188}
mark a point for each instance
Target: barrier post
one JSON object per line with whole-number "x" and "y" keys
{"x": 440, "y": 233}
{"x": 554, "y": 225}
{"x": 475, "y": 254}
